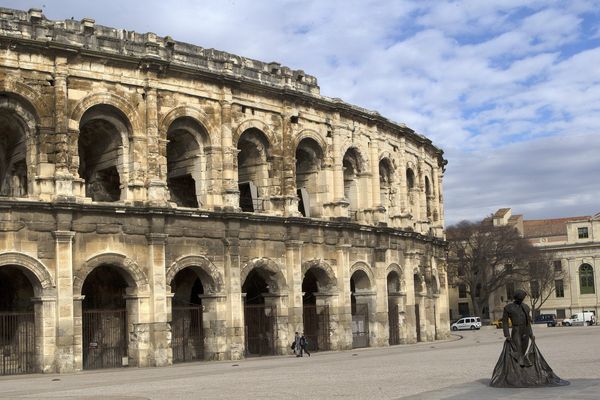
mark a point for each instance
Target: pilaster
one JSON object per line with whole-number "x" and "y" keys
{"x": 64, "y": 307}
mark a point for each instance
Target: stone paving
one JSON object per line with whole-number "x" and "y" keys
{"x": 456, "y": 369}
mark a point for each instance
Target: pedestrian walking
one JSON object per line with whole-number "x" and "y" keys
{"x": 303, "y": 345}
{"x": 296, "y": 345}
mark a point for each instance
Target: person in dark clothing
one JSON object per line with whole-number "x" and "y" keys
{"x": 303, "y": 345}
{"x": 519, "y": 366}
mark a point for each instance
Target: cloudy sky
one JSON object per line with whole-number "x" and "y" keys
{"x": 511, "y": 93}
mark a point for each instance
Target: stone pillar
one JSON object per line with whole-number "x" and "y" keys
{"x": 63, "y": 179}
{"x": 78, "y": 336}
{"x": 136, "y": 187}
{"x": 46, "y": 335}
{"x": 380, "y": 335}
{"x": 293, "y": 263}
{"x": 64, "y": 308}
{"x": 160, "y": 350}
{"x": 156, "y": 178}
{"x": 342, "y": 331}
{"x": 231, "y": 192}
{"x": 233, "y": 285}
{"x": 215, "y": 326}
{"x": 338, "y": 208}
{"x": 213, "y": 184}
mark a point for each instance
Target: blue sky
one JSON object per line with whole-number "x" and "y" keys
{"x": 511, "y": 93}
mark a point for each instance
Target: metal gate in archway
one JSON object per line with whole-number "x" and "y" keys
{"x": 316, "y": 327}
{"x": 360, "y": 325}
{"x": 187, "y": 334}
{"x": 260, "y": 329}
{"x": 17, "y": 343}
{"x": 394, "y": 324}
{"x": 104, "y": 338}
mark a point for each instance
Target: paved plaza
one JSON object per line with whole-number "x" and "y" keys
{"x": 457, "y": 369}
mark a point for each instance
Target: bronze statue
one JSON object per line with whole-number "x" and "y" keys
{"x": 518, "y": 366}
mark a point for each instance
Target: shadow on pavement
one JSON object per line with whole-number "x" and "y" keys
{"x": 480, "y": 390}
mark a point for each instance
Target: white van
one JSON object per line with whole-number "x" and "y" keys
{"x": 581, "y": 318}
{"x": 467, "y": 323}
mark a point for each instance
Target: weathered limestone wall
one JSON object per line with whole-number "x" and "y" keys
{"x": 61, "y": 78}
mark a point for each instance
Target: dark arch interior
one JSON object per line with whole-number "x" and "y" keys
{"x": 309, "y": 287}
{"x": 104, "y": 288}
{"x": 393, "y": 282}
{"x": 100, "y": 134}
{"x": 13, "y": 169}
{"x": 187, "y": 288}
{"x": 16, "y": 290}
{"x": 254, "y": 287}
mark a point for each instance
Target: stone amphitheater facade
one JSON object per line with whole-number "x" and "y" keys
{"x": 163, "y": 202}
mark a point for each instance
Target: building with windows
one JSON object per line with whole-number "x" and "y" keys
{"x": 162, "y": 202}
{"x": 573, "y": 244}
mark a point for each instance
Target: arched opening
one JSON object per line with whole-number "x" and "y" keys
{"x": 315, "y": 310}
{"x": 187, "y": 161}
{"x": 17, "y": 124}
{"x": 253, "y": 170}
{"x": 411, "y": 186}
{"x": 105, "y": 322}
{"x": 104, "y": 133}
{"x": 393, "y": 292}
{"x": 428, "y": 198}
{"x": 360, "y": 289}
{"x": 586, "y": 279}
{"x": 187, "y": 322}
{"x": 17, "y": 322}
{"x": 353, "y": 167}
{"x": 259, "y": 315}
{"x": 309, "y": 157}
{"x": 386, "y": 189}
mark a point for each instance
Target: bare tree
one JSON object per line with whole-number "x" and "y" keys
{"x": 485, "y": 258}
{"x": 542, "y": 276}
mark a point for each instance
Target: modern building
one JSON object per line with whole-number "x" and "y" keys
{"x": 573, "y": 243}
{"x": 162, "y": 202}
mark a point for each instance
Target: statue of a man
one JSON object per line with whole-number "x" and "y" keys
{"x": 519, "y": 314}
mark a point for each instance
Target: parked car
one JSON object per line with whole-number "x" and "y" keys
{"x": 581, "y": 318}
{"x": 498, "y": 323}
{"x": 471, "y": 323}
{"x": 548, "y": 319}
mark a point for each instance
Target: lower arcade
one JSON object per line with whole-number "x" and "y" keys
{"x": 107, "y": 300}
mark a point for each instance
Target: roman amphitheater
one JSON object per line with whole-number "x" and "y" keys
{"x": 162, "y": 202}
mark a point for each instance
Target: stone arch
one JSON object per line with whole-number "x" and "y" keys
{"x": 324, "y": 273}
{"x": 134, "y": 276}
{"x": 395, "y": 268}
{"x": 20, "y": 147}
{"x": 36, "y": 271}
{"x": 311, "y": 134}
{"x": 256, "y": 124}
{"x": 111, "y": 99}
{"x": 211, "y": 277}
{"x": 364, "y": 267}
{"x": 190, "y": 112}
{"x": 362, "y": 157}
{"x": 269, "y": 270}
{"x": 34, "y": 97}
